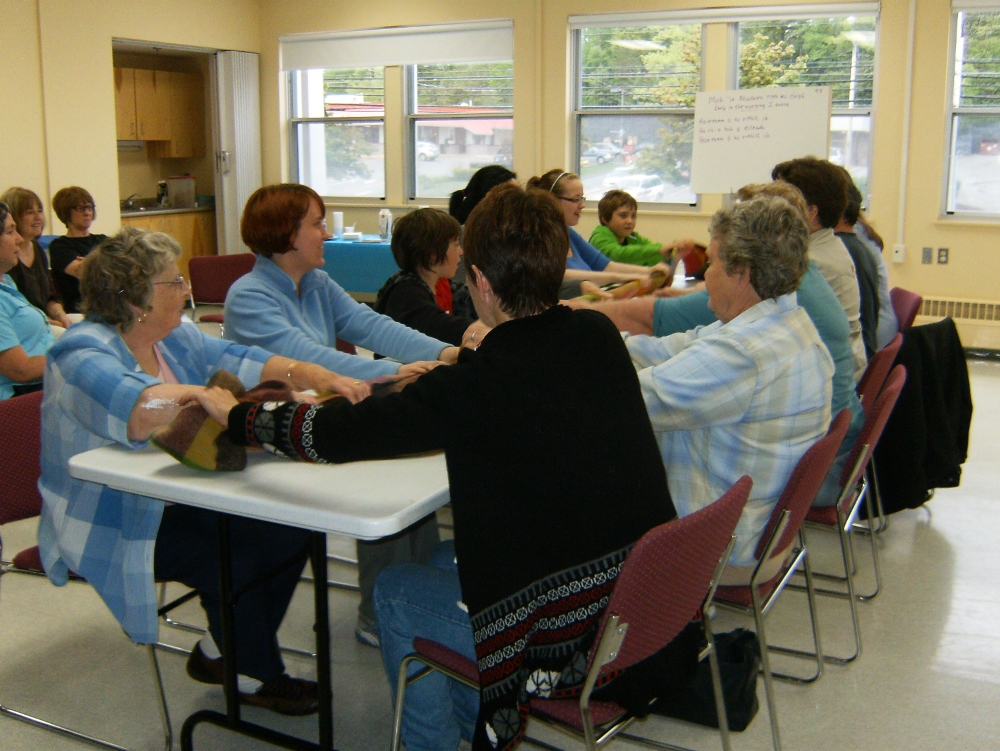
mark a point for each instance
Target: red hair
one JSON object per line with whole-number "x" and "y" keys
{"x": 273, "y": 214}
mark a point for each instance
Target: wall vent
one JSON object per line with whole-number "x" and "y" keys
{"x": 978, "y": 321}
{"x": 961, "y": 309}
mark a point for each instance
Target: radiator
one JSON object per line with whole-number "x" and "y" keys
{"x": 978, "y": 321}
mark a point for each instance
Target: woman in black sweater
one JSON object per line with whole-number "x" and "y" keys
{"x": 554, "y": 474}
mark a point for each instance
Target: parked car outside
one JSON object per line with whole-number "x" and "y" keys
{"x": 640, "y": 187}
{"x": 427, "y": 151}
{"x": 600, "y": 153}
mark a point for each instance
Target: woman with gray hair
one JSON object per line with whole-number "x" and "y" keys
{"x": 130, "y": 367}
{"x": 750, "y": 393}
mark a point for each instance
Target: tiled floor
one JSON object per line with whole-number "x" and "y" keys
{"x": 929, "y": 677}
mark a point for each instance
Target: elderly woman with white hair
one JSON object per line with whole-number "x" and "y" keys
{"x": 130, "y": 367}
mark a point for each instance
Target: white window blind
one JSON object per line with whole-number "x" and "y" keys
{"x": 413, "y": 45}
{"x": 725, "y": 15}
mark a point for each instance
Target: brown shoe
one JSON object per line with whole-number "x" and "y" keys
{"x": 204, "y": 669}
{"x": 285, "y": 695}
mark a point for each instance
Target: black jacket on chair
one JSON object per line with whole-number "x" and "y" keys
{"x": 926, "y": 439}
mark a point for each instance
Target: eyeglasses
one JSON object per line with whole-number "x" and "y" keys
{"x": 180, "y": 281}
{"x": 578, "y": 201}
{"x": 85, "y": 207}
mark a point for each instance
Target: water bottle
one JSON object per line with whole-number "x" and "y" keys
{"x": 385, "y": 224}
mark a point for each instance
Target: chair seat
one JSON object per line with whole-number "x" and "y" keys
{"x": 212, "y": 318}
{"x": 568, "y": 711}
{"x": 29, "y": 560}
{"x": 741, "y": 595}
{"x": 825, "y": 515}
{"x": 447, "y": 657}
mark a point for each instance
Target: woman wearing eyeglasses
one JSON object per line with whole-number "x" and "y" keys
{"x": 75, "y": 208}
{"x": 131, "y": 366}
{"x": 585, "y": 262}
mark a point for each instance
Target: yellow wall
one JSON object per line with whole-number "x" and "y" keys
{"x": 60, "y": 100}
{"x": 64, "y": 102}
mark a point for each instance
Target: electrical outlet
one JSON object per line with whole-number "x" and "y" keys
{"x": 898, "y": 253}
{"x": 928, "y": 256}
{"x": 942, "y": 255}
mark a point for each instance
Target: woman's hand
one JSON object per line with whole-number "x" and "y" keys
{"x": 449, "y": 355}
{"x": 679, "y": 247}
{"x": 474, "y": 335}
{"x": 664, "y": 268}
{"x": 217, "y": 401}
{"x": 589, "y": 288}
{"x": 417, "y": 368}
{"x": 321, "y": 380}
{"x": 73, "y": 267}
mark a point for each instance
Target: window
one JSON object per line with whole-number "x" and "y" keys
{"x": 838, "y": 52}
{"x": 636, "y": 87}
{"x": 451, "y": 101}
{"x": 461, "y": 119}
{"x": 974, "y": 123}
{"x": 338, "y": 130}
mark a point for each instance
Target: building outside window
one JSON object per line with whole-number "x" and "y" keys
{"x": 838, "y": 52}
{"x": 973, "y": 174}
{"x": 338, "y": 130}
{"x": 635, "y": 92}
{"x": 461, "y": 119}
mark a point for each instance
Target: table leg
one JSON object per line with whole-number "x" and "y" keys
{"x": 231, "y": 720}
{"x": 322, "y": 627}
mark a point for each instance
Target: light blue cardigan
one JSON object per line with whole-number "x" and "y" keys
{"x": 264, "y": 309}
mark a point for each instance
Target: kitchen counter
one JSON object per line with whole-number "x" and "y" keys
{"x": 160, "y": 212}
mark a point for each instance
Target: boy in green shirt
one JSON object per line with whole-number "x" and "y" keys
{"x": 616, "y": 237}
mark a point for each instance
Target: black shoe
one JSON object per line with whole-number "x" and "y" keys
{"x": 285, "y": 695}
{"x": 204, "y": 669}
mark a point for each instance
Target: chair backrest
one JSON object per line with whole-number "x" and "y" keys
{"x": 667, "y": 574}
{"x": 21, "y": 423}
{"x": 875, "y": 374}
{"x": 871, "y": 431}
{"x": 212, "y": 276}
{"x": 802, "y": 487}
{"x": 906, "y": 305}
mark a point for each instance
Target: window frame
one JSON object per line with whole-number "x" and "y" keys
{"x": 952, "y": 114}
{"x": 292, "y": 90}
{"x": 411, "y": 120}
{"x": 821, "y": 12}
{"x": 579, "y": 112}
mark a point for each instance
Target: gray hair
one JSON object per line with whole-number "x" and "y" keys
{"x": 767, "y": 237}
{"x": 118, "y": 274}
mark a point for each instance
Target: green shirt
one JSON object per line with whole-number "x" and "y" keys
{"x": 637, "y": 249}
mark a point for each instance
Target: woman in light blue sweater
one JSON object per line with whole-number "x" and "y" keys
{"x": 288, "y": 305}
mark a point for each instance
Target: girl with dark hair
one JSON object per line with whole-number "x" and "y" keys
{"x": 462, "y": 202}
{"x": 76, "y": 209}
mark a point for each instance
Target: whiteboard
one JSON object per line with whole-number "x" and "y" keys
{"x": 740, "y": 135}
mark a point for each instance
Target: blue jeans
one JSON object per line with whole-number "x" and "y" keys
{"x": 422, "y": 600}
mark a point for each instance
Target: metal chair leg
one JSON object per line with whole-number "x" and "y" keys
{"x": 168, "y": 731}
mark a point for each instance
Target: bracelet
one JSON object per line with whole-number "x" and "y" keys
{"x": 288, "y": 375}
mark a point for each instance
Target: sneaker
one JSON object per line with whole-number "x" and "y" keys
{"x": 204, "y": 669}
{"x": 285, "y": 695}
{"x": 366, "y": 632}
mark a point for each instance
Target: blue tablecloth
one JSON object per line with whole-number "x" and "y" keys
{"x": 359, "y": 267}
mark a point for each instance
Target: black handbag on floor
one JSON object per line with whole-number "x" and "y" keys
{"x": 739, "y": 663}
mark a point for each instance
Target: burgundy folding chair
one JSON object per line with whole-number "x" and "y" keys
{"x": 868, "y": 388}
{"x": 842, "y": 516}
{"x": 211, "y": 278}
{"x": 671, "y": 572}
{"x": 20, "y": 416}
{"x": 779, "y": 554}
{"x": 905, "y": 305}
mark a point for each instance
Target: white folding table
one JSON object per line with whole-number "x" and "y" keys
{"x": 367, "y": 500}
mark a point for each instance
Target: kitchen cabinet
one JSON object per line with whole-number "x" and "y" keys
{"x": 187, "y": 118}
{"x": 142, "y": 104}
{"x": 194, "y": 231}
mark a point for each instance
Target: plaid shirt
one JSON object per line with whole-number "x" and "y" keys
{"x": 747, "y": 397}
{"x": 92, "y": 382}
